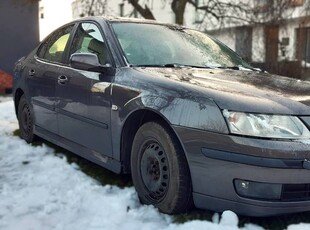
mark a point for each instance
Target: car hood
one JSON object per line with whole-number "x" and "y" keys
{"x": 245, "y": 91}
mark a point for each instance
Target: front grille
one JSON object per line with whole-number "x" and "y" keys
{"x": 295, "y": 192}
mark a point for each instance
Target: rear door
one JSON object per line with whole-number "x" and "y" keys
{"x": 42, "y": 77}
{"x": 83, "y": 103}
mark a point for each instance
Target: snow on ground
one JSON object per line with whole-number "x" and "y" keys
{"x": 39, "y": 190}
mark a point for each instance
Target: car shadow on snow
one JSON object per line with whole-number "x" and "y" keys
{"x": 105, "y": 177}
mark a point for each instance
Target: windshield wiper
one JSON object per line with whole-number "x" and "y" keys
{"x": 177, "y": 65}
{"x": 241, "y": 68}
{"x": 146, "y": 65}
{"x": 170, "y": 65}
{"x": 229, "y": 67}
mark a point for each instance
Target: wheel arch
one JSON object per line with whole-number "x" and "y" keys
{"x": 131, "y": 125}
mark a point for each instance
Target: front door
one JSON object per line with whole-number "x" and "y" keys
{"x": 83, "y": 104}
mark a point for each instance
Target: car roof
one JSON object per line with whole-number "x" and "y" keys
{"x": 124, "y": 19}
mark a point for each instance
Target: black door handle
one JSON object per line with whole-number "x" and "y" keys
{"x": 62, "y": 80}
{"x": 31, "y": 73}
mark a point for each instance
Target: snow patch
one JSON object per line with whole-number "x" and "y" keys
{"x": 229, "y": 218}
{"x": 39, "y": 190}
{"x": 304, "y": 141}
{"x": 300, "y": 226}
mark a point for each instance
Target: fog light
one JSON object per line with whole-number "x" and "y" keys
{"x": 250, "y": 189}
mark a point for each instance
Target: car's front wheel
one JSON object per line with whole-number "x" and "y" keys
{"x": 159, "y": 169}
{"x": 25, "y": 120}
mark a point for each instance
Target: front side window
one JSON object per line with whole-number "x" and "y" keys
{"x": 88, "y": 39}
{"x": 153, "y": 44}
{"x": 53, "y": 49}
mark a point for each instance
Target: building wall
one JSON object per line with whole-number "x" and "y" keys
{"x": 227, "y": 36}
{"x": 287, "y": 40}
{"x": 289, "y": 30}
{"x": 19, "y": 29}
{"x": 258, "y": 44}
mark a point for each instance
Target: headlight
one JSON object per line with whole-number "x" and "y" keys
{"x": 262, "y": 125}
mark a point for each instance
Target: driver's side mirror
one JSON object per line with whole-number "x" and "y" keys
{"x": 86, "y": 61}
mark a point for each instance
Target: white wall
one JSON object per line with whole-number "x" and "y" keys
{"x": 228, "y": 37}
{"x": 258, "y": 44}
{"x": 56, "y": 13}
{"x": 289, "y": 30}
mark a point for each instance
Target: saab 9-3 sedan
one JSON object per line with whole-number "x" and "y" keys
{"x": 188, "y": 118}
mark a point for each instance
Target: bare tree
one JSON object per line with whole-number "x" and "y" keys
{"x": 93, "y": 7}
{"x": 216, "y": 13}
{"x": 144, "y": 11}
{"x": 217, "y": 10}
{"x": 277, "y": 11}
{"x": 178, "y": 8}
{"x": 221, "y": 12}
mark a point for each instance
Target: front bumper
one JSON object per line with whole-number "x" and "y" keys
{"x": 216, "y": 160}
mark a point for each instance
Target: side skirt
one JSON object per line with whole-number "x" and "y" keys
{"x": 97, "y": 158}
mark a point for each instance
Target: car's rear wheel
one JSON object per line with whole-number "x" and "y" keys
{"x": 159, "y": 169}
{"x": 25, "y": 120}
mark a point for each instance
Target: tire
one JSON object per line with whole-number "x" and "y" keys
{"x": 25, "y": 120}
{"x": 159, "y": 170}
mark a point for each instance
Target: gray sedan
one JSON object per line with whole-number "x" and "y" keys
{"x": 193, "y": 123}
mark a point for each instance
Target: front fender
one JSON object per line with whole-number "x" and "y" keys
{"x": 201, "y": 113}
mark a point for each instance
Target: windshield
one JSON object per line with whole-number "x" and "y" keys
{"x": 164, "y": 45}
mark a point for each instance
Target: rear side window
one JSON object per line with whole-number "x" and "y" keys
{"x": 54, "y": 47}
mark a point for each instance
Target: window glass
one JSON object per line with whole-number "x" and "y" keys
{"x": 59, "y": 45}
{"x": 88, "y": 39}
{"x": 53, "y": 49}
{"x": 151, "y": 44}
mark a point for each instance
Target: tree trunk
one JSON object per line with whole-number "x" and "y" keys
{"x": 89, "y": 13}
{"x": 145, "y": 12}
{"x": 178, "y": 8}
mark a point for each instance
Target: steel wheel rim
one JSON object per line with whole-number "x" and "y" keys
{"x": 154, "y": 169}
{"x": 26, "y": 121}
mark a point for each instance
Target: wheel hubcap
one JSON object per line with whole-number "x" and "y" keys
{"x": 155, "y": 170}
